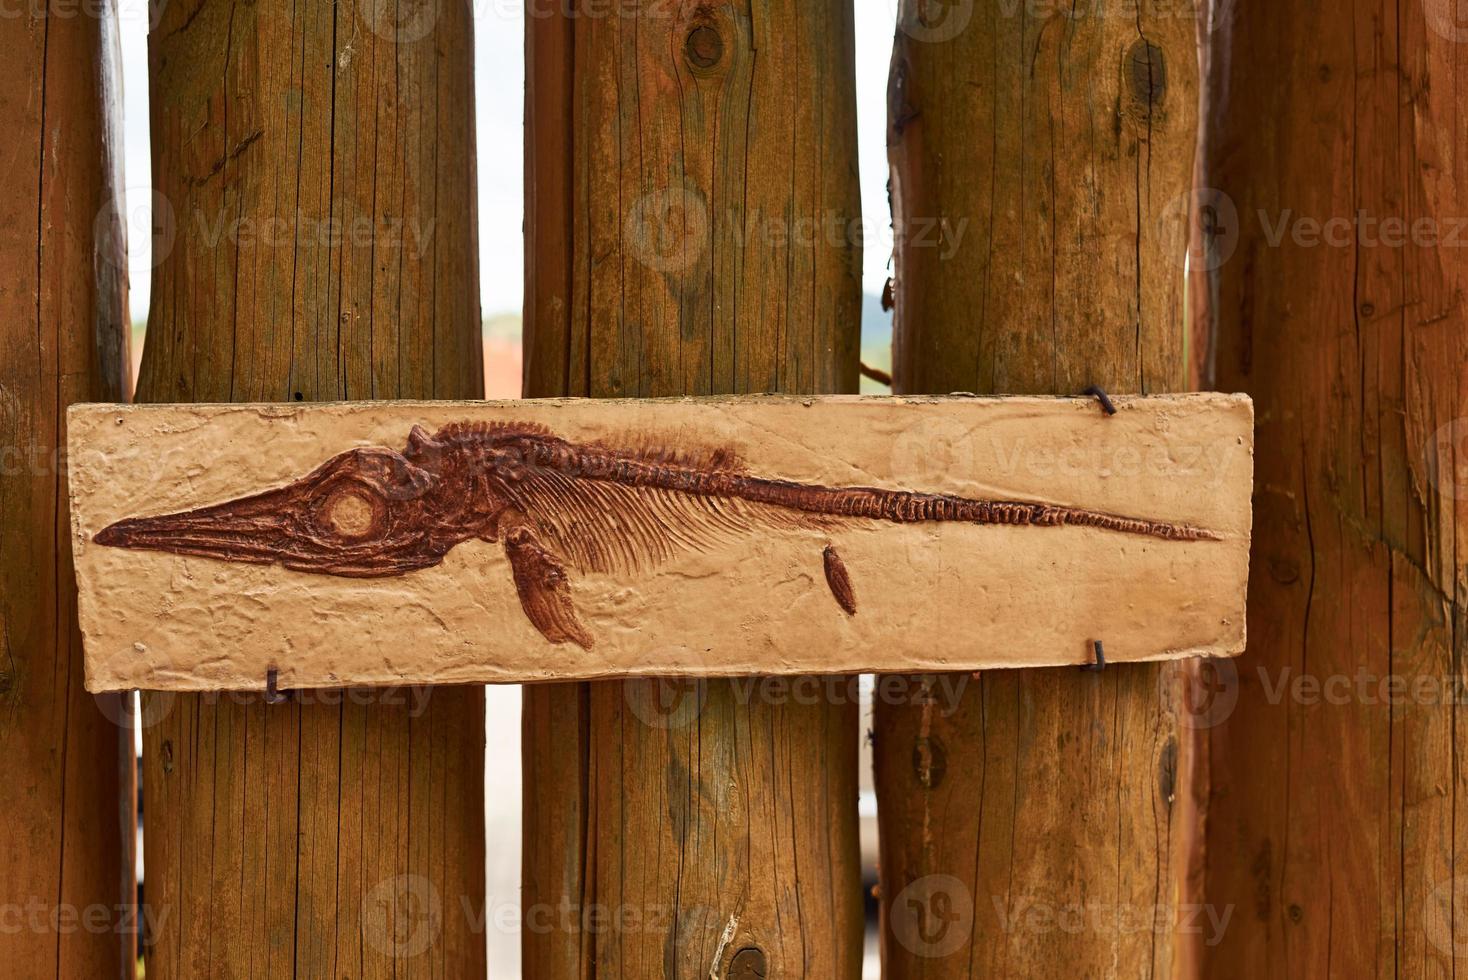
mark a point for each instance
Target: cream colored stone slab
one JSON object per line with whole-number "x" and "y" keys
{"x": 928, "y": 597}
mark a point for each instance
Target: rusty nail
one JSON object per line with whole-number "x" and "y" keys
{"x": 1100, "y": 395}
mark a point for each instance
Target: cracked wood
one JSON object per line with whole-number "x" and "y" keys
{"x": 1350, "y": 862}
{"x": 314, "y": 240}
{"x": 1041, "y": 167}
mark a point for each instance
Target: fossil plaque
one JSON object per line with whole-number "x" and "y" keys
{"x": 445, "y": 542}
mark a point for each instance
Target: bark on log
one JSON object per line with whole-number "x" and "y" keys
{"x": 1042, "y": 165}
{"x": 690, "y": 183}
{"x": 66, "y": 767}
{"x": 315, "y": 174}
{"x": 1334, "y": 821}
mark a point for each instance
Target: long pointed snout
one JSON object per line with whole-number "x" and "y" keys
{"x": 363, "y": 514}
{"x": 250, "y": 529}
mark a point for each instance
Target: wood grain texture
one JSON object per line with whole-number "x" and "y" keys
{"x": 1039, "y": 160}
{"x": 526, "y": 541}
{"x": 1335, "y": 826}
{"x": 66, "y": 770}
{"x": 671, "y": 151}
{"x": 317, "y": 162}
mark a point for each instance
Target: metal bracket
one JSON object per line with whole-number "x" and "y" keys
{"x": 272, "y": 689}
{"x": 1100, "y": 664}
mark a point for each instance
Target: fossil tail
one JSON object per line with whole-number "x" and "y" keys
{"x": 1047, "y": 515}
{"x": 721, "y": 480}
{"x": 905, "y": 507}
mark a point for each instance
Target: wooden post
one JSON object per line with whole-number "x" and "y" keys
{"x": 66, "y": 769}
{"x": 691, "y": 185}
{"x": 1341, "y": 280}
{"x": 315, "y": 170}
{"x": 1042, "y": 165}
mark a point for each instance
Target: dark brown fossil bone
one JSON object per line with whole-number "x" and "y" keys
{"x": 839, "y": 580}
{"x": 594, "y": 507}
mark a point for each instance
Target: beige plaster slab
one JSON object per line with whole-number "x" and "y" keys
{"x": 929, "y": 597}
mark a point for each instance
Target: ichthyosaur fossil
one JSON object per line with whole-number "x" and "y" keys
{"x": 554, "y": 505}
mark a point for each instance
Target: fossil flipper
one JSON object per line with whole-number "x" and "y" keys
{"x": 839, "y": 580}
{"x": 545, "y": 593}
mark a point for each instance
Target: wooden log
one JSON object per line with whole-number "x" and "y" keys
{"x": 410, "y": 543}
{"x": 685, "y": 163}
{"x": 1042, "y": 166}
{"x": 315, "y": 163}
{"x": 1346, "y": 200}
{"x": 66, "y": 766}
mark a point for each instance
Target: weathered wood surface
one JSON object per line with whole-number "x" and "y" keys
{"x": 1335, "y": 827}
{"x": 317, "y": 162}
{"x": 671, "y": 150}
{"x": 66, "y": 771}
{"x": 1042, "y": 158}
{"x": 1056, "y": 526}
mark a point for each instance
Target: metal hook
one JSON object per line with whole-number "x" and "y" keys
{"x": 272, "y": 690}
{"x": 1100, "y": 664}
{"x": 1096, "y": 392}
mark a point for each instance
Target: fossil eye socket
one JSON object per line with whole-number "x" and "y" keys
{"x": 349, "y": 512}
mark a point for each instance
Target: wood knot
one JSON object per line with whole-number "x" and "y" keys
{"x": 166, "y": 753}
{"x": 748, "y": 964}
{"x": 1167, "y": 771}
{"x": 1146, "y": 72}
{"x": 704, "y": 47}
{"x": 1284, "y": 571}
